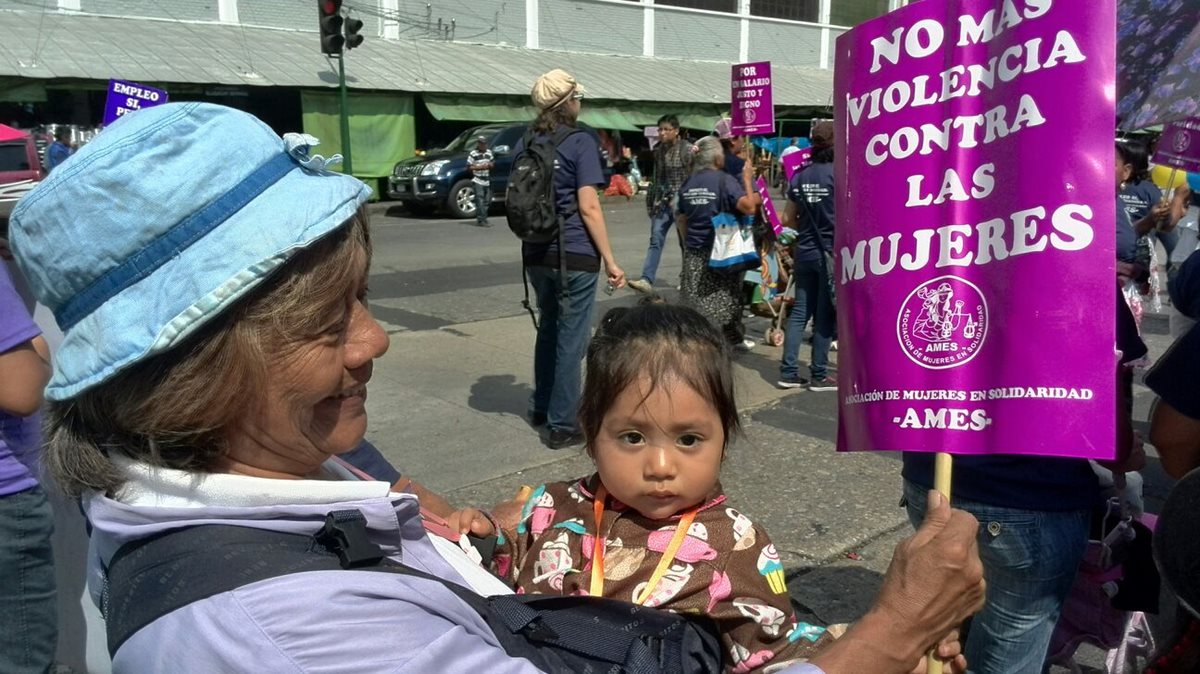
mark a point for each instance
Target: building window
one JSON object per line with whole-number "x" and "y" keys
{"x": 854, "y": 12}
{"x": 728, "y": 6}
{"x": 792, "y": 10}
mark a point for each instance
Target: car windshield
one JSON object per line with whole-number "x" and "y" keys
{"x": 467, "y": 138}
{"x": 13, "y": 157}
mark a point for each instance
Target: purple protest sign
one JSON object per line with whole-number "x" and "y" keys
{"x": 794, "y": 161}
{"x": 753, "y": 107}
{"x": 1179, "y": 146}
{"x": 125, "y": 97}
{"x": 768, "y": 206}
{"x": 975, "y": 244}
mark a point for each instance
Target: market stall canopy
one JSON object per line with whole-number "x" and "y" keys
{"x": 9, "y": 133}
{"x": 85, "y": 47}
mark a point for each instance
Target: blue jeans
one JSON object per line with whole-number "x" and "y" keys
{"x": 1029, "y": 561}
{"x": 660, "y": 224}
{"x": 483, "y": 199}
{"x": 812, "y": 300}
{"x": 1169, "y": 240}
{"x": 564, "y": 328}
{"x": 28, "y": 615}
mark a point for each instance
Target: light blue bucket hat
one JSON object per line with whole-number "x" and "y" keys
{"x": 162, "y": 222}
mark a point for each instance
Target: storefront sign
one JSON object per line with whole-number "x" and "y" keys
{"x": 126, "y": 97}
{"x": 753, "y": 108}
{"x": 976, "y": 228}
{"x": 1179, "y": 146}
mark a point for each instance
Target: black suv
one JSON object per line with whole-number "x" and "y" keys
{"x": 440, "y": 179}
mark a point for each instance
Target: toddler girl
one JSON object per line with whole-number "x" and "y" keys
{"x": 652, "y": 524}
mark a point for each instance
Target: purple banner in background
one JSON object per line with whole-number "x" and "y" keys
{"x": 1179, "y": 146}
{"x": 768, "y": 206}
{"x": 794, "y": 161}
{"x": 126, "y": 97}
{"x": 753, "y": 108}
{"x": 975, "y": 238}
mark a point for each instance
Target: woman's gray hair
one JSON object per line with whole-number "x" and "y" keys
{"x": 708, "y": 151}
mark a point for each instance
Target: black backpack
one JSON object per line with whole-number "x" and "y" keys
{"x": 152, "y": 577}
{"x": 530, "y": 201}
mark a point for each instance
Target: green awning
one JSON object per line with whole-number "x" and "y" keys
{"x": 382, "y": 128}
{"x": 478, "y": 109}
{"x": 22, "y": 91}
{"x": 599, "y": 114}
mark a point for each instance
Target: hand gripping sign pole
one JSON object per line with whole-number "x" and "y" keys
{"x": 944, "y": 235}
{"x": 942, "y": 465}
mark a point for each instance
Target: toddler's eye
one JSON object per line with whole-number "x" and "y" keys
{"x": 632, "y": 438}
{"x": 688, "y": 440}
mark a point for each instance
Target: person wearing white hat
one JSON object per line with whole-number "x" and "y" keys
{"x": 566, "y": 303}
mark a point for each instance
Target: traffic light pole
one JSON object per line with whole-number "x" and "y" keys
{"x": 344, "y": 108}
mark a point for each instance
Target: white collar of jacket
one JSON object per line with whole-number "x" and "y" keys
{"x": 155, "y": 487}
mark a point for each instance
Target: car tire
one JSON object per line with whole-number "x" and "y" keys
{"x": 461, "y": 202}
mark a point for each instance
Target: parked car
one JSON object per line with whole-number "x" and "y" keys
{"x": 440, "y": 179}
{"x": 20, "y": 170}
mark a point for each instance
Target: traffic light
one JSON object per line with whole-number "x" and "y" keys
{"x": 330, "y": 15}
{"x": 352, "y": 26}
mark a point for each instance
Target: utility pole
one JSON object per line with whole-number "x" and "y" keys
{"x": 344, "y": 107}
{"x": 338, "y": 36}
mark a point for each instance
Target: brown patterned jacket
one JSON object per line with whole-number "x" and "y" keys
{"x": 727, "y": 568}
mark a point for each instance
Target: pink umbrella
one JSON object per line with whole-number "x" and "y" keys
{"x": 9, "y": 133}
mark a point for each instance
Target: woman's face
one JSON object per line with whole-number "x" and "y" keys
{"x": 314, "y": 402}
{"x": 1124, "y": 171}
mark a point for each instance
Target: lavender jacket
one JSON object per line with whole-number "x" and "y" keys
{"x": 320, "y": 621}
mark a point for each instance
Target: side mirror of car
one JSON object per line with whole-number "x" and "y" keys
{"x": 501, "y": 150}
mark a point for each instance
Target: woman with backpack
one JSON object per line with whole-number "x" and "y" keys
{"x": 562, "y": 265}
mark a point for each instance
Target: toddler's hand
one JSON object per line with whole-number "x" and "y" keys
{"x": 472, "y": 521}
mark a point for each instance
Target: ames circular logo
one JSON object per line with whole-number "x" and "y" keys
{"x": 748, "y": 115}
{"x": 1181, "y": 141}
{"x": 943, "y": 323}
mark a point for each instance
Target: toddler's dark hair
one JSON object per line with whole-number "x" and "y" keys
{"x": 656, "y": 341}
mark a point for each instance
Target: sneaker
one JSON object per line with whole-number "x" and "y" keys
{"x": 744, "y": 345}
{"x": 560, "y": 439}
{"x": 833, "y": 345}
{"x": 484, "y": 223}
{"x": 791, "y": 382}
{"x": 642, "y": 286}
{"x": 826, "y": 383}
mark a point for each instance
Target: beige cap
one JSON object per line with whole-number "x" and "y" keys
{"x": 554, "y": 88}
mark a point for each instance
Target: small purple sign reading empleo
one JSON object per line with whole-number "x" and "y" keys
{"x": 1179, "y": 146}
{"x": 753, "y": 107}
{"x": 975, "y": 230}
{"x": 125, "y": 97}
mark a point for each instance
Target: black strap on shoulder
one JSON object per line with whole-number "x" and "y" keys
{"x": 149, "y": 578}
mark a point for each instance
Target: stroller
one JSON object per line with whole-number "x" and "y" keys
{"x": 768, "y": 300}
{"x": 1116, "y": 586}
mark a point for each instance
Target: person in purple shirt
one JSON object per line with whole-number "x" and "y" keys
{"x": 215, "y": 360}
{"x": 28, "y": 631}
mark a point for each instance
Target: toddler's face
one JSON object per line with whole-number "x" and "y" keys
{"x": 660, "y": 454}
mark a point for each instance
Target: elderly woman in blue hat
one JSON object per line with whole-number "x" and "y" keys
{"x": 215, "y": 362}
